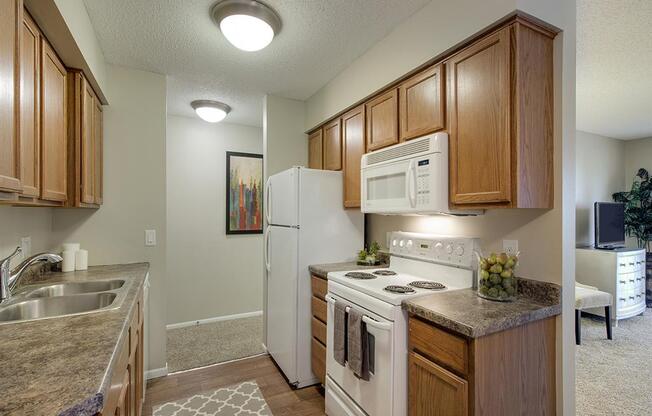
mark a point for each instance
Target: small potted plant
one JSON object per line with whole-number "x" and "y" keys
{"x": 370, "y": 256}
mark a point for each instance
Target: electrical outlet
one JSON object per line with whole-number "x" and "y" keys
{"x": 26, "y": 246}
{"x": 510, "y": 246}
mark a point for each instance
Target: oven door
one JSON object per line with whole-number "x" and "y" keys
{"x": 374, "y": 397}
{"x": 389, "y": 187}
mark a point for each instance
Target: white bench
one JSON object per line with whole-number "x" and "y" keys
{"x": 587, "y": 297}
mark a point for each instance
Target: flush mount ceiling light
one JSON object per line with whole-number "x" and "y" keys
{"x": 211, "y": 111}
{"x": 248, "y": 24}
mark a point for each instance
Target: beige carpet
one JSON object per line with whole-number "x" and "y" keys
{"x": 201, "y": 345}
{"x": 237, "y": 400}
{"x": 615, "y": 377}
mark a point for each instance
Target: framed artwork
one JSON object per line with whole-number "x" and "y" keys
{"x": 244, "y": 193}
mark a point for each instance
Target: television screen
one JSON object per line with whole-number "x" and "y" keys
{"x": 609, "y": 225}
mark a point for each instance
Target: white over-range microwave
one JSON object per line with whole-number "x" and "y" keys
{"x": 407, "y": 178}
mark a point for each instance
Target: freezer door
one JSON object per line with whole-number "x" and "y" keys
{"x": 281, "y": 197}
{"x": 282, "y": 298}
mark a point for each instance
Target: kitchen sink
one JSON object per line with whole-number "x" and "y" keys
{"x": 75, "y": 288}
{"x": 56, "y": 306}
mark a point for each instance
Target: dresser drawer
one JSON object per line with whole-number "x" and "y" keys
{"x": 319, "y": 287}
{"x": 442, "y": 347}
{"x": 630, "y": 264}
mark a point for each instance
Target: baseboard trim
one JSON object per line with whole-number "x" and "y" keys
{"x": 215, "y": 319}
{"x": 156, "y": 373}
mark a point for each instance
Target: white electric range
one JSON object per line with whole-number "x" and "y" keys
{"x": 420, "y": 265}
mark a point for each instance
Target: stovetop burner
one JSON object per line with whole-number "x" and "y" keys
{"x": 425, "y": 284}
{"x": 360, "y": 275}
{"x": 399, "y": 289}
{"x": 385, "y": 272}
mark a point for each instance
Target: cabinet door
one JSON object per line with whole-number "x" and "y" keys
{"x": 332, "y": 134}
{"x": 29, "y": 107}
{"x": 353, "y": 124}
{"x": 382, "y": 120}
{"x": 98, "y": 149}
{"x": 124, "y": 406}
{"x": 433, "y": 391}
{"x": 421, "y": 103}
{"x": 479, "y": 121}
{"x": 53, "y": 125}
{"x": 315, "y": 149}
{"x": 87, "y": 143}
{"x": 11, "y": 23}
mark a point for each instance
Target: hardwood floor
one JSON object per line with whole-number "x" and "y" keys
{"x": 280, "y": 397}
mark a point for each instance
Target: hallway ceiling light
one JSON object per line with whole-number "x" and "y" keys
{"x": 211, "y": 111}
{"x": 248, "y": 24}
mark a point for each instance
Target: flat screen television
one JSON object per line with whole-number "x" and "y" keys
{"x": 609, "y": 225}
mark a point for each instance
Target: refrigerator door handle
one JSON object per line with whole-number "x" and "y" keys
{"x": 268, "y": 201}
{"x": 268, "y": 265}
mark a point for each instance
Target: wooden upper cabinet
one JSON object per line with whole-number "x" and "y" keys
{"x": 382, "y": 120}
{"x": 332, "y": 134}
{"x": 53, "y": 126}
{"x": 98, "y": 148}
{"x": 500, "y": 120}
{"x": 421, "y": 103}
{"x": 11, "y": 22}
{"x": 85, "y": 143}
{"x": 353, "y": 134}
{"x": 435, "y": 391}
{"x": 315, "y": 150}
{"x": 29, "y": 107}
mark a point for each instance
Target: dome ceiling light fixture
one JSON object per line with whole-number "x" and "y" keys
{"x": 211, "y": 111}
{"x": 248, "y": 24}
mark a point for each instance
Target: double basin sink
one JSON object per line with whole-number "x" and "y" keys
{"x": 62, "y": 299}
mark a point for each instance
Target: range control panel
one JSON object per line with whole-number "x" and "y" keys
{"x": 457, "y": 251}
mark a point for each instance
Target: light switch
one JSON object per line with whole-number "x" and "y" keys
{"x": 150, "y": 237}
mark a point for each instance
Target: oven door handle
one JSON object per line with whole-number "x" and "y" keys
{"x": 412, "y": 184}
{"x": 367, "y": 320}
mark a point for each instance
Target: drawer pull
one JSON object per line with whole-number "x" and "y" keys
{"x": 623, "y": 281}
{"x": 632, "y": 297}
{"x": 631, "y": 264}
{"x": 631, "y": 280}
{"x": 623, "y": 299}
{"x": 622, "y": 265}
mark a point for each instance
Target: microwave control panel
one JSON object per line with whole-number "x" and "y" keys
{"x": 423, "y": 181}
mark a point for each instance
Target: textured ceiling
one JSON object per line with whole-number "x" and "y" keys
{"x": 319, "y": 38}
{"x": 614, "y": 67}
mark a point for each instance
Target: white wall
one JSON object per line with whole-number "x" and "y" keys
{"x": 638, "y": 154}
{"x": 546, "y": 237}
{"x": 77, "y": 19}
{"x": 210, "y": 273}
{"x": 18, "y": 222}
{"x": 600, "y": 173}
{"x": 134, "y": 191}
{"x": 284, "y": 141}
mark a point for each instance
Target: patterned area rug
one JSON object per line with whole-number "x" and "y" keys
{"x": 242, "y": 399}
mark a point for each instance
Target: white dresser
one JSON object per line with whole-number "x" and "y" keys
{"x": 620, "y": 272}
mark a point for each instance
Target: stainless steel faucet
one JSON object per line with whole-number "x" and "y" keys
{"x": 9, "y": 278}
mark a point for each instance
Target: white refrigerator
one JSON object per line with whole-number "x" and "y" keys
{"x": 307, "y": 224}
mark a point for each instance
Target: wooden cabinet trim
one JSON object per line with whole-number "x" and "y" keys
{"x": 332, "y": 141}
{"x": 386, "y": 124}
{"x": 427, "y": 112}
{"x": 354, "y": 146}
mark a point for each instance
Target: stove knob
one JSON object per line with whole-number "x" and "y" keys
{"x": 394, "y": 242}
{"x": 401, "y": 243}
{"x": 459, "y": 251}
{"x": 409, "y": 244}
{"x": 438, "y": 247}
{"x": 449, "y": 249}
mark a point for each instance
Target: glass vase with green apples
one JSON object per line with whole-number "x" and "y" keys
{"x": 496, "y": 276}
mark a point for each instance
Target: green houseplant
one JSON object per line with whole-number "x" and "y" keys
{"x": 638, "y": 220}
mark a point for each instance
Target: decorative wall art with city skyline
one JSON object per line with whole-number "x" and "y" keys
{"x": 244, "y": 193}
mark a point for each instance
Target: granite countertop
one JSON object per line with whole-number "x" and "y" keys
{"x": 62, "y": 366}
{"x": 467, "y": 314}
{"x": 322, "y": 270}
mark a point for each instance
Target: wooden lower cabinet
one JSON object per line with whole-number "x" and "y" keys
{"x": 318, "y": 343}
{"x": 434, "y": 391}
{"x": 511, "y": 372}
{"x": 125, "y": 395}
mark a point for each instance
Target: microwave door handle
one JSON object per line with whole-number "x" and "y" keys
{"x": 411, "y": 184}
